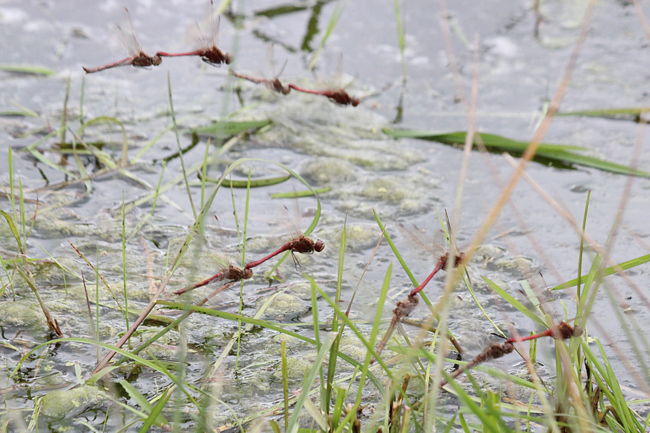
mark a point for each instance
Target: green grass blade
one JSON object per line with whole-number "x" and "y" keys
{"x": 331, "y": 25}
{"x": 309, "y": 380}
{"x": 285, "y": 383}
{"x": 38, "y": 155}
{"x": 179, "y": 178}
{"x": 315, "y": 413}
{"x": 104, "y": 158}
{"x": 145, "y": 362}
{"x": 450, "y": 423}
{"x": 499, "y": 374}
{"x": 630, "y": 113}
{"x": 331, "y": 368}
{"x": 96, "y": 304}
{"x": 589, "y": 161}
{"x": 126, "y": 294}
{"x": 316, "y": 328}
{"x": 256, "y": 183}
{"x": 395, "y": 251}
{"x": 607, "y": 271}
{"x": 263, "y": 324}
{"x": 17, "y": 113}
{"x": 224, "y": 129}
{"x": 367, "y": 343}
{"x": 14, "y": 229}
{"x": 178, "y": 143}
{"x": 39, "y": 142}
{"x": 22, "y": 212}
{"x": 82, "y": 169}
{"x": 154, "y": 140}
{"x": 157, "y": 192}
{"x": 10, "y": 280}
{"x": 27, "y": 69}
{"x": 491, "y": 141}
{"x": 274, "y": 426}
{"x": 12, "y": 190}
{"x": 243, "y": 256}
{"x": 301, "y": 194}
{"x": 135, "y": 395}
{"x": 203, "y": 172}
{"x": 370, "y": 353}
{"x": 208, "y": 204}
{"x": 338, "y": 407}
{"x": 20, "y": 111}
{"x": 608, "y": 384}
{"x": 563, "y": 154}
{"x": 532, "y": 297}
{"x": 590, "y": 290}
{"x": 156, "y": 412}
{"x": 582, "y": 245}
{"x": 515, "y": 303}
{"x": 64, "y": 112}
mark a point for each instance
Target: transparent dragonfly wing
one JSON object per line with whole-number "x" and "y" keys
{"x": 196, "y": 37}
{"x": 128, "y": 35}
{"x": 341, "y": 80}
{"x": 424, "y": 242}
{"x": 270, "y": 58}
{"x": 205, "y": 35}
{"x": 449, "y": 234}
{"x": 292, "y": 220}
{"x": 212, "y": 38}
{"x": 214, "y": 30}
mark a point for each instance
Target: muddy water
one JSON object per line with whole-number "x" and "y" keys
{"x": 340, "y": 148}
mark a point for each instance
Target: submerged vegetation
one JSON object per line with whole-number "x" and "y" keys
{"x": 119, "y": 315}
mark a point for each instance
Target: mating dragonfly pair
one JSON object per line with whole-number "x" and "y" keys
{"x": 211, "y": 54}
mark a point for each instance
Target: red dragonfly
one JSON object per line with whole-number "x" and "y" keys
{"x": 138, "y": 58}
{"x": 226, "y": 272}
{"x": 435, "y": 248}
{"x": 208, "y": 52}
{"x": 405, "y": 308}
{"x": 232, "y": 273}
{"x": 402, "y": 310}
{"x": 493, "y": 351}
{"x": 274, "y": 85}
{"x": 300, "y": 244}
{"x": 562, "y": 331}
{"x": 339, "y": 96}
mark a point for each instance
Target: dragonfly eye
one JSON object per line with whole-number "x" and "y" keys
{"x": 319, "y": 245}
{"x": 577, "y": 331}
{"x": 227, "y": 59}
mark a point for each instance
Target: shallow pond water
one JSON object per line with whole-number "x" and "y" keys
{"x": 339, "y": 148}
